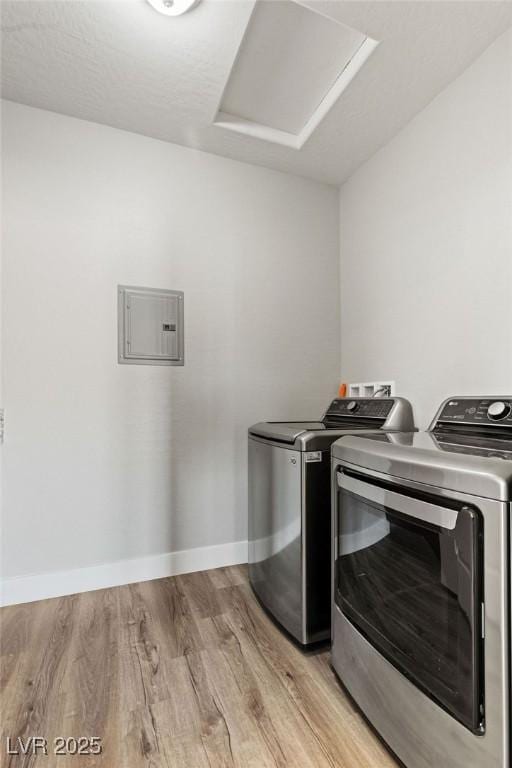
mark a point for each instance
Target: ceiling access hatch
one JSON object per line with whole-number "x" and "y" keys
{"x": 292, "y": 65}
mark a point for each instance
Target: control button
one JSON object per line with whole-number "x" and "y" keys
{"x": 498, "y": 410}
{"x": 352, "y": 406}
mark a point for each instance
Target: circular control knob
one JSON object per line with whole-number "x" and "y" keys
{"x": 352, "y": 406}
{"x": 498, "y": 410}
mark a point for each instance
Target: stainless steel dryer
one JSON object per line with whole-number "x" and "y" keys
{"x": 421, "y": 584}
{"x": 289, "y": 508}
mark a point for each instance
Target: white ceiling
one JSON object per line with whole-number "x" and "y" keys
{"x": 121, "y": 63}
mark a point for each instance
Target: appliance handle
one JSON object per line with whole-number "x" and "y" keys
{"x": 421, "y": 510}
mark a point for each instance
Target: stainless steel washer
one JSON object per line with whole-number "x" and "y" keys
{"x": 421, "y": 584}
{"x": 289, "y": 508}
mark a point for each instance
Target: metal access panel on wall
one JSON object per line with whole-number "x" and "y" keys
{"x": 150, "y": 326}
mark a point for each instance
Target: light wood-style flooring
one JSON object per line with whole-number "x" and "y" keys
{"x": 183, "y": 672}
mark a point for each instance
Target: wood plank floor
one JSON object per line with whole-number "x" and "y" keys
{"x": 184, "y": 672}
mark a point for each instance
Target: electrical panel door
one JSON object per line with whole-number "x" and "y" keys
{"x": 150, "y": 326}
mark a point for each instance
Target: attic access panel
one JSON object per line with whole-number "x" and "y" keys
{"x": 150, "y": 326}
{"x": 291, "y": 67}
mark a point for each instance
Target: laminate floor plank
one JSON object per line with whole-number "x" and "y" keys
{"x": 222, "y": 578}
{"x": 264, "y": 728}
{"x": 261, "y": 714}
{"x": 171, "y": 609}
{"x": 24, "y": 633}
{"x": 36, "y": 703}
{"x": 182, "y": 672}
{"x": 91, "y": 693}
{"x": 312, "y": 693}
{"x": 201, "y": 599}
{"x": 286, "y": 711}
{"x": 148, "y": 642}
{"x": 185, "y": 753}
{"x": 142, "y": 744}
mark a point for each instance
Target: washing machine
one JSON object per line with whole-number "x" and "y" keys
{"x": 421, "y": 584}
{"x": 289, "y": 508}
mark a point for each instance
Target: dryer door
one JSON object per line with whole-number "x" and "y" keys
{"x": 408, "y": 576}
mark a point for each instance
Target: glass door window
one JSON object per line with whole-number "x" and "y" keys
{"x": 413, "y": 587}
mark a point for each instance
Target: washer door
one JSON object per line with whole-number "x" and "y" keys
{"x": 408, "y": 576}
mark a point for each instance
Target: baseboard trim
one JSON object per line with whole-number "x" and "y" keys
{"x": 26, "y": 589}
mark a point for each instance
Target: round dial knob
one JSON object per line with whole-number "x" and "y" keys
{"x": 352, "y": 406}
{"x": 498, "y": 410}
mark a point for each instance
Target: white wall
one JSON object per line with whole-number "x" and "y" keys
{"x": 426, "y": 246}
{"x": 105, "y": 461}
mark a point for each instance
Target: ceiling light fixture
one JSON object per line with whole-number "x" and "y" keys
{"x": 173, "y": 7}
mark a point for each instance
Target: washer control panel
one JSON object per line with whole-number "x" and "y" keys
{"x": 481, "y": 411}
{"x": 361, "y": 407}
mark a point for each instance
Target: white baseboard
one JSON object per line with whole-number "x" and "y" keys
{"x": 26, "y": 589}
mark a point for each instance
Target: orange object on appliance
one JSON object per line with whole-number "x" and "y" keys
{"x": 342, "y": 391}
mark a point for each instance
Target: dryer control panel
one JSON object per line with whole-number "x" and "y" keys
{"x": 482, "y": 412}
